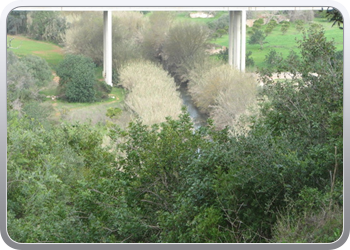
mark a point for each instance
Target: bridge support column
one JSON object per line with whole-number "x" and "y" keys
{"x": 237, "y": 39}
{"x": 107, "y": 47}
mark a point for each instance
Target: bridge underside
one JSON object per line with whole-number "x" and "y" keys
{"x": 237, "y": 28}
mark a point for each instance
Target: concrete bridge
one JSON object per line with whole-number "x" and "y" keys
{"x": 237, "y": 28}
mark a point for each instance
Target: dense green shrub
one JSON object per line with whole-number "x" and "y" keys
{"x": 257, "y": 37}
{"x": 77, "y": 79}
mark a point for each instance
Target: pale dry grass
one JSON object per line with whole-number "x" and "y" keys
{"x": 152, "y": 92}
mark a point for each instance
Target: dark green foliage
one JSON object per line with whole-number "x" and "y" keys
{"x": 249, "y": 61}
{"x": 11, "y": 58}
{"x": 335, "y": 16}
{"x": 17, "y": 22}
{"x": 167, "y": 172}
{"x": 47, "y": 26}
{"x": 77, "y": 79}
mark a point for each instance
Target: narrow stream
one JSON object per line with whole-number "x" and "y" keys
{"x": 199, "y": 119}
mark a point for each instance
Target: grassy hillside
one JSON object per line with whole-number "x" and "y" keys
{"x": 23, "y": 46}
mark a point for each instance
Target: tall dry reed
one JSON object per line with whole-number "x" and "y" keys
{"x": 152, "y": 94}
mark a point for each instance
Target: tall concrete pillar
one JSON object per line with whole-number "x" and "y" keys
{"x": 107, "y": 46}
{"x": 230, "y": 38}
{"x": 237, "y": 39}
{"x": 243, "y": 36}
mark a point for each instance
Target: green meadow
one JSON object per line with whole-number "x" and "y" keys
{"x": 23, "y": 46}
{"x": 284, "y": 43}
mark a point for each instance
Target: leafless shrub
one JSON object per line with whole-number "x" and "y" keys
{"x": 86, "y": 36}
{"x": 152, "y": 92}
{"x": 304, "y": 15}
{"x": 185, "y": 44}
{"x": 155, "y": 34}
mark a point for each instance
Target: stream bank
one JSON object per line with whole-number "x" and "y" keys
{"x": 199, "y": 119}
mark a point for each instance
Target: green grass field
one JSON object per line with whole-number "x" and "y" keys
{"x": 23, "y": 46}
{"x": 284, "y": 43}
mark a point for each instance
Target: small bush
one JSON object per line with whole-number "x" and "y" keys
{"x": 284, "y": 26}
{"x": 113, "y": 112}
